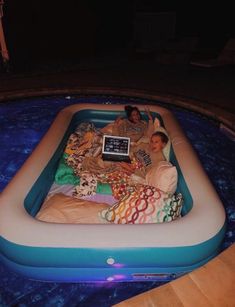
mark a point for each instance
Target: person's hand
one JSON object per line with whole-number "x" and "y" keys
{"x": 147, "y": 111}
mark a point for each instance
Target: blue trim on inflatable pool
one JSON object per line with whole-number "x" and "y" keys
{"x": 61, "y": 264}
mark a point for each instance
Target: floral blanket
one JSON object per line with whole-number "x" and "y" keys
{"x": 83, "y": 155}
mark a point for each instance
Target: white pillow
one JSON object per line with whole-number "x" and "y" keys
{"x": 163, "y": 177}
{"x": 145, "y": 204}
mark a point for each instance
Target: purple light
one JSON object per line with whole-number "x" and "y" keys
{"x": 117, "y": 277}
{"x": 118, "y": 265}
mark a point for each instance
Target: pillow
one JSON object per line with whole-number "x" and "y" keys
{"x": 164, "y": 177}
{"x": 60, "y": 208}
{"x": 145, "y": 205}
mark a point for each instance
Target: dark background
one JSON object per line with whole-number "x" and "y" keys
{"x": 55, "y": 31}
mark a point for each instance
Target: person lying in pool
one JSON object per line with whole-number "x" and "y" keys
{"x": 146, "y": 156}
{"x": 124, "y": 176}
{"x": 133, "y": 126}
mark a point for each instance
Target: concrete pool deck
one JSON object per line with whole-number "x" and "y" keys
{"x": 210, "y": 91}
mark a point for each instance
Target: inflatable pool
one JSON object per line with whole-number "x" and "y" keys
{"x": 107, "y": 252}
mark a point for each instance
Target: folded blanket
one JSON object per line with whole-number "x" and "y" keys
{"x": 60, "y": 208}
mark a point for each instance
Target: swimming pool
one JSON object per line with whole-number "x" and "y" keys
{"x": 24, "y": 122}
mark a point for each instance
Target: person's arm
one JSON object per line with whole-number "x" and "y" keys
{"x": 118, "y": 120}
{"x": 148, "y": 112}
{"x": 150, "y": 127}
{"x": 118, "y": 127}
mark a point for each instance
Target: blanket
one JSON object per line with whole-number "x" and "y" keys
{"x": 60, "y": 208}
{"x": 83, "y": 157}
{"x": 83, "y": 166}
{"x": 138, "y": 200}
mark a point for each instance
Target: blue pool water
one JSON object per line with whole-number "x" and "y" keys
{"x": 22, "y": 125}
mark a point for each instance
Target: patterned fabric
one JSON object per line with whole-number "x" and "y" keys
{"x": 119, "y": 182}
{"x": 81, "y": 153}
{"x": 86, "y": 141}
{"x": 87, "y": 186}
{"x": 133, "y": 130}
{"x": 65, "y": 174}
{"x": 83, "y": 156}
{"x": 144, "y": 205}
{"x": 171, "y": 209}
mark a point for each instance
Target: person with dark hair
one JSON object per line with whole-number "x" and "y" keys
{"x": 133, "y": 126}
{"x": 133, "y": 113}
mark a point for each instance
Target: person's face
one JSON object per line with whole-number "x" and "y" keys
{"x": 156, "y": 143}
{"x": 135, "y": 117}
